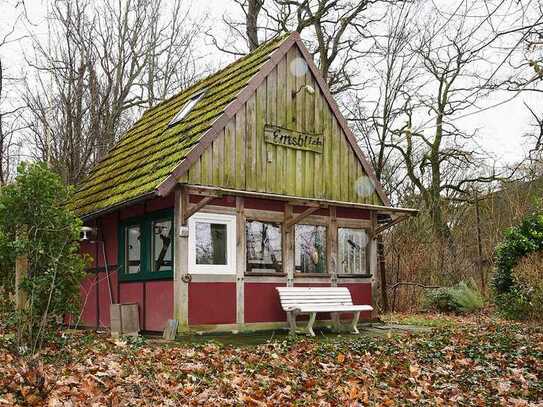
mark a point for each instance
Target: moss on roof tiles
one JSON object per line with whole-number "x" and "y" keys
{"x": 148, "y": 152}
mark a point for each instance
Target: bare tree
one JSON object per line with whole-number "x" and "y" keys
{"x": 336, "y": 32}
{"x": 100, "y": 65}
{"x": 9, "y": 112}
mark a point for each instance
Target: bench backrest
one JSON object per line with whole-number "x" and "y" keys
{"x": 293, "y": 296}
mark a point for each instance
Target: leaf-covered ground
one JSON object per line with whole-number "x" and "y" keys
{"x": 463, "y": 362}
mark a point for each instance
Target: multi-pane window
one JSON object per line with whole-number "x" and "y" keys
{"x": 263, "y": 245}
{"x": 162, "y": 245}
{"x": 310, "y": 248}
{"x": 133, "y": 249}
{"x": 352, "y": 251}
{"x": 146, "y": 247}
{"x": 212, "y": 243}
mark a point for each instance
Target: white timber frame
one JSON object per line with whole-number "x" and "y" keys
{"x": 183, "y": 275}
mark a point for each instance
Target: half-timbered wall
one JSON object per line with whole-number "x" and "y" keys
{"x": 239, "y": 157}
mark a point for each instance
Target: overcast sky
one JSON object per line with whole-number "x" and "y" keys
{"x": 500, "y": 128}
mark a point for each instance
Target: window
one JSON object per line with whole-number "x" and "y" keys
{"x": 187, "y": 107}
{"x": 133, "y": 249}
{"x": 352, "y": 251}
{"x": 212, "y": 243}
{"x": 263, "y": 242}
{"x": 310, "y": 249}
{"x": 146, "y": 247}
{"x": 162, "y": 245}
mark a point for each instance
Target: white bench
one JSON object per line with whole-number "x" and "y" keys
{"x": 312, "y": 300}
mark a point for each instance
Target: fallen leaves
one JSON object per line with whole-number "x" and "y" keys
{"x": 490, "y": 364}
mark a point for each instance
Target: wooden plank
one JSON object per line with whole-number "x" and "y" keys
{"x": 290, "y": 175}
{"x": 288, "y": 247}
{"x": 299, "y": 217}
{"x": 180, "y": 287}
{"x": 250, "y": 155}
{"x": 335, "y": 157}
{"x": 309, "y": 166}
{"x": 281, "y": 87}
{"x": 240, "y": 149}
{"x": 332, "y": 246}
{"x": 230, "y": 154}
{"x": 299, "y": 101}
{"x": 260, "y": 145}
{"x": 271, "y": 118}
{"x": 240, "y": 261}
{"x": 196, "y": 208}
{"x": 319, "y": 128}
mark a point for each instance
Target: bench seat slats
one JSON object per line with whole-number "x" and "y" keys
{"x": 312, "y": 300}
{"x": 332, "y": 308}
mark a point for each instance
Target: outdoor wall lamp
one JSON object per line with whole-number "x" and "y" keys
{"x": 308, "y": 88}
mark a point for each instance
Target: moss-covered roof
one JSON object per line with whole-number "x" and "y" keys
{"x": 148, "y": 152}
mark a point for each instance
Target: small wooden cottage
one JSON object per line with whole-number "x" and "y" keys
{"x": 248, "y": 180}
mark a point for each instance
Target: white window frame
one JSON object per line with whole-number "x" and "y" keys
{"x": 230, "y": 222}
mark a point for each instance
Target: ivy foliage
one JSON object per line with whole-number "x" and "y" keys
{"x": 36, "y": 225}
{"x": 515, "y": 296}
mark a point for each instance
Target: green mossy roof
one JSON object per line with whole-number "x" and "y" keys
{"x": 148, "y": 153}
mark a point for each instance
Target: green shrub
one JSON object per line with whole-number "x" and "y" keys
{"x": 462, "y": 298}
{"x": 518, "y": 280}
{"x": 518, "y": 242}
{"x": 36, "y": 225}
{"x": 525, "y": 299}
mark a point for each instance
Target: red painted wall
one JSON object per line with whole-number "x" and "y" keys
{"x": 212, "y": 303}
{"x": 361, "y": 295}
{"x": 158, "y": 304}
{"x": 88, "y": 291}
{"x": 352, "y": 213}
{"x": 262, "y": 303}
{"x": 133, "y": 293}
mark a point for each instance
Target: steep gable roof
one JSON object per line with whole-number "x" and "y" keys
{"x": 151, "y": 156}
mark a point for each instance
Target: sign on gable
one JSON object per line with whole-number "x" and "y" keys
{"x": 293, "y": 139}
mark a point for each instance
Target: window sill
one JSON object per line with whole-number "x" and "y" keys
{"x": 321, "y": 275}
{"x": 264, "y": 274}
{"x": 354, "y": 275}
{"x": 163, "y": 275}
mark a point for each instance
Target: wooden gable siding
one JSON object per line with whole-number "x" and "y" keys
{"x": 239, "y": 158}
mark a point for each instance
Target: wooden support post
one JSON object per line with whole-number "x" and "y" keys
{"x": 332, "y": 256}
{"x": 294, "y": 219}
{"x": 371, "y": 258}
{"x": 188, "y": 212}
{"x": 288, "y": 247}
{"x": 240, "y": 262}
{"x": 180, "y": 282}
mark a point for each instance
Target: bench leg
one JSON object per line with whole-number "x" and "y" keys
{"x": 291, "y": 318}
{"x": 354, "y": 324}
{"x": 310, "y": 323}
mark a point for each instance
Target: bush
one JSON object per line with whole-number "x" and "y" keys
{"x": 525, "y": 299}
{"x": 518, "y": 241}
{"x": 518, "y": 286}
{"x": 462, "y": 298}
{"x": 36, "y": 225}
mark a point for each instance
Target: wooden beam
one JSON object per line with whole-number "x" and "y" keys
{"x": 301, "y": 216}
{"x": 388, "y": 225}
{"x": 240, "y": 262}
{"x": 188, "y": 212}
{"x": 293, "y": 200}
